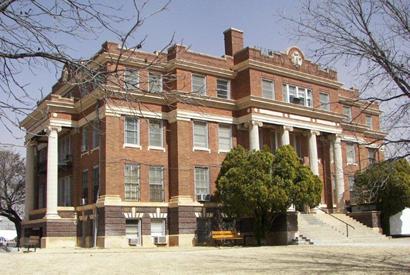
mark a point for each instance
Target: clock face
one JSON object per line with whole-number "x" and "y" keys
{"x": 296, "y": 58}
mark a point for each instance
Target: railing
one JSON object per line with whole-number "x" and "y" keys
{"x": 340, "y": 220}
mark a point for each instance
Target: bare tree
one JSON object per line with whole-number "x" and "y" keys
{"x": 12, "y": 188}
{"x": 31, "y": 32}
{"x": 372, "y": 37}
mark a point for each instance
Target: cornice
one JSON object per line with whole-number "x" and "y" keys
{"x": 262, "y": 66}
{"x": 200, "y": 68}
{"x": 252, "y": 101}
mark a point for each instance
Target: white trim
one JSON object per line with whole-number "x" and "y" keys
{"x": 161, "y": 126}
{"x": 158, "y": 214}
{"x": 206, "y": 135}
{"x": 130, "y": 145}
{"x": 156, "y": 148}
{"x": 204, "y": 86}
{"x": 138, "y": 144}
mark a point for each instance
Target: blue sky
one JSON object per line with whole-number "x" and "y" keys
{"x": 196, "y": 23}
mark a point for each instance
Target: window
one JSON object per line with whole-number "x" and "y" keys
{"x": 324, "y": 102}
{"x": 155, "y": 83}
{"x": 155, "y": 133}
{"x": 156, "y": 183}
{"x": 131, "y": 79}
{"x": 369, "y": 122}
{"x": 201, "y": 180}
{"x": 132, "y": 182}
{"x": 41, "y": 187}
{"x": 131, "y": 131}
{"x": 96, "y": 182}
{"x": 268, "y": 89}
{"x": 84, "y": 139}
{"x": 198, "y": 84}
{"x": 133, "y": 230}
{"x": 64, "y": 149}
{"x": 372, "y": 153}
{"x": 351, "y": 183}
{"x": 64, "y": 191}
{"x": 157, "y": 227}
{"x": 224, "y": 138}
{"x": 85, "y": 186}
{"x": 297, "y": 95}
{"x": 350, "y": 153}
{"x": 223, "y": 88}
{"x": 200, "y": 134}
{"x": 96, "y": 134}
{"x": 347, "y": 111}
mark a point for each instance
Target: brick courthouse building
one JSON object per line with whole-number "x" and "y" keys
{"x": 139, "y": 162}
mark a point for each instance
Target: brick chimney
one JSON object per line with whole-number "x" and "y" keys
{"x": 233, "y": 41}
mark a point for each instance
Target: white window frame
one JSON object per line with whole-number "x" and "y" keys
{"x": 133, "y": 73}
{"x": 96, "y": 168}
{"x": 196, "y": 183}
{"x": 200, "y": 148}
{"x": 163, "y": 233}
{"x": 137, "y": 227}
{"x": 126, "y": 144}
{"x": 138, "y": 184}
{"x": 325, "y": 106}
{"x": 272, "y": 90}
{"x": 64, "y": 148}
{"x": 371, "y": 151}
{"x": 351, "y": 159}
{"x": 161, "y": 183}
{"x": 369, "y": 122}
{"x": 161, "y": 129}
{"x": 85, "y": 172}
{"x": 228, "y": 91}
{"x": 224, "y": 150}
{"x": 95, "y": 135}
{"x": 203, "y": 86}
{"x": 347, "y": 114}
{"x": 305, "y": 93}
{"x": 350, "y": 180}
{"x": 150, "y": 74}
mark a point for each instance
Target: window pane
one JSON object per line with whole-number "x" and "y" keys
{"x": 202, "y": 180}
{"x": 155, "y": 133}
{"x": 84, "y": 140}
{"x": 132, "y": 182}
{"x": 198, "y": 84}
{"x": 131, "y": 130}
{"x": 369, "y": 122}
{"x": 131, "y": 79}
{"x": 157, "y": 228}
{"x": 222, "y": 88}
{"x": 85, "y": 186}
{"x": 351, "y": 157}
{"x": 347, "y": 111}
{"x": 156, "y": 179}
{"x": 267, "y": 89}
{"x": 324, "y": 102}
{"x": 155, "y": 83}
{"x": 225, "y": 137}
{"x": 200, "y": 134}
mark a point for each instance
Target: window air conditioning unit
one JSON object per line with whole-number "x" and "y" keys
{"x": 203, "y": 197}
{"x": 160, "y": 240}
{"x": 295, "y": 100}
{"x": 133, "y": 242}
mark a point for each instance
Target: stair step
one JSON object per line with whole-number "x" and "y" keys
{"x": 325, "y": 229}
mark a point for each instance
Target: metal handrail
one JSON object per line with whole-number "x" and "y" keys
{"x": 347, "y": 224}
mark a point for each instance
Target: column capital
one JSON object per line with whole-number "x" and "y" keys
{"x": 314, "y": 132}
{"x": 52, "y": 128}
{"x": 287, "y": 128}
{"x": 253, "y": 123}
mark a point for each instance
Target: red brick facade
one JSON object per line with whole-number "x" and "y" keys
{"x": 73, "y": 109}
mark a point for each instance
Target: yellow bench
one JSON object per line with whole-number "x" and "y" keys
{"x": 225, "y": 235}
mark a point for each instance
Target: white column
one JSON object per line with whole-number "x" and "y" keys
{"x": 340, "y": 186}
{"x": 254, "y": 135}
{"x": 313, "y": 158}
{"x": 285, "y": 139}
{"x": 332, "y": 161}
{"x": 29, "y": 187}
{"x": 52, "y": 173}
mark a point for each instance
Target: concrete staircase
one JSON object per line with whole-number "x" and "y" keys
{"x": 325, "y": 229}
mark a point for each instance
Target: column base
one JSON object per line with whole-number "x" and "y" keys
{"x": 182, "y": 240}
{"x": 52, "y": 216}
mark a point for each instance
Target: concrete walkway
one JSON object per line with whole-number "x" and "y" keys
{"x": 388, "y": 258}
